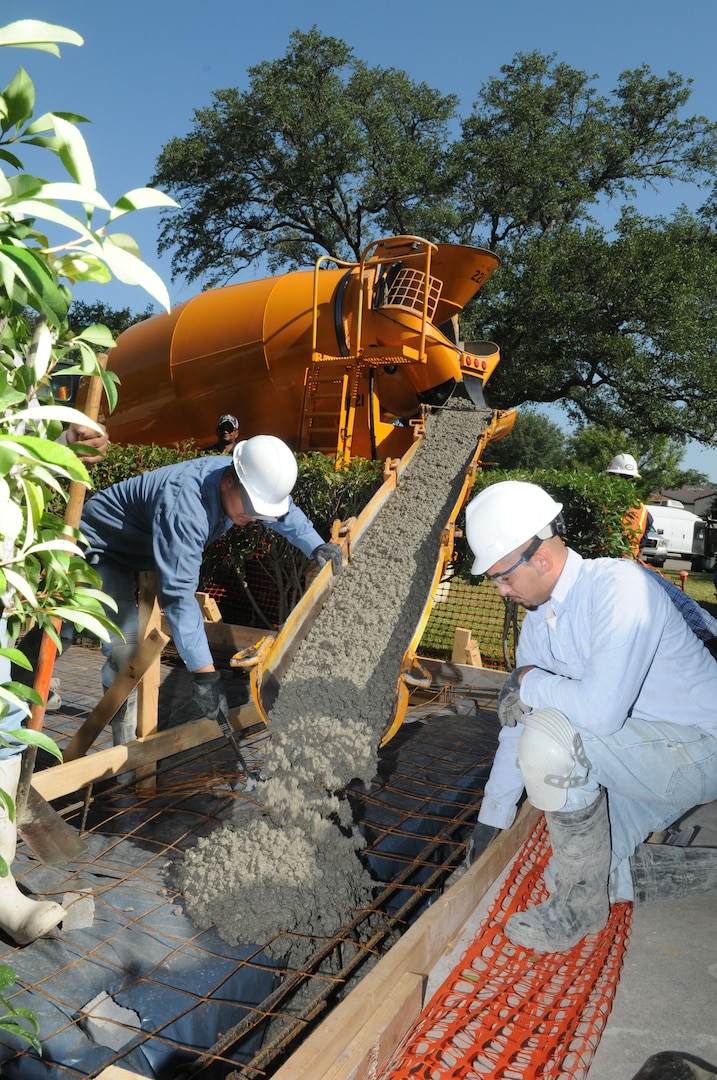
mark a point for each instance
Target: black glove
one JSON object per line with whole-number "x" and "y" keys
{"x": 511, "y": 709}
{"x": 209, "y": 694}
{"x": 480, "y": 838}
{"x": 329, "y": 552}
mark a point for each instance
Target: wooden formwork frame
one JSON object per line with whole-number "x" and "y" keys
{"x": 79, "y": 768}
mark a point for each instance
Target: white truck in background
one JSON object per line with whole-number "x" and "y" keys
{"x": 688, "y": 536}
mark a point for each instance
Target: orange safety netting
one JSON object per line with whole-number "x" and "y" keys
{"x": 511, "y": 1014}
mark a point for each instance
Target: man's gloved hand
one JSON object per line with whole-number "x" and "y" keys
{"x": 511, "y": 709}
{"x": 209, "y": 694}
{"x": 329, "y": 553}
{"x": 480, "y": 838}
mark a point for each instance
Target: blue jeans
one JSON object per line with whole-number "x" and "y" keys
{"x": 121, "y": 583}
{"x": 14, "y": 719}
{"x": 653, "y": 772}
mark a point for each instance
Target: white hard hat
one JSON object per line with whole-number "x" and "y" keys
{"x": 623, "y": 465}
{"x": 548, "y": 749}
{"x": 266, "y": 469}
{"x": 506, "y": 515}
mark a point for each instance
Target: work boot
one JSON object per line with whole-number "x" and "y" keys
{"x": 666, "y": 872}
{"x": 675, "y": 1065}
{"x": 579, "y": 905}
{"x": 22, "y": 918}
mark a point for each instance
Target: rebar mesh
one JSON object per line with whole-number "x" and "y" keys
{"x": 204, "y": 1008}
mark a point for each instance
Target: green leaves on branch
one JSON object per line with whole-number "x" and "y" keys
{"x": 89, "y": 252}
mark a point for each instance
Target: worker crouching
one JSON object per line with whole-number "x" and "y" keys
{"x": 608, "y": 722}
{"x": 163, "y": 520}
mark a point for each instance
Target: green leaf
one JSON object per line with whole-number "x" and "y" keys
{"x": 76, "y": 267}
{"x": 47, "y": 211}
{"x": 97, "y": 334}
{"x": 7, "y": 978}
{"x": 11, "y": 159}
{"x": 38, "y": 739}
{"x": 34, "y": 34}
{"x": 19, "y": 262}
{"x": 133, "y": 271}
{"x": 83, "y": 620}
{"x": 17, "y": 657}
{"x": 17, "y": 582}
{"x": 74, "y": 154}
{"x": 19, "y": 98}
{"x": 140, "y": 199}
{"x": 73, "y": 193}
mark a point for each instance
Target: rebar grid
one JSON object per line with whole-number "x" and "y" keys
{"x": 141, "y": 946}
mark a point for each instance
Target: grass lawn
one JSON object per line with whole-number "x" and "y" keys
{"x": 699, "y": 586}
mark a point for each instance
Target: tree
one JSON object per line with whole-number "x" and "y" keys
{"x": 323, "y": 154}
{"x": 115, "y": 319}
{"x": 618, "y": 327}
{"x": 534, "y": 442}
{"x": 658, "y": 458}
{"x": 320, "y": 156}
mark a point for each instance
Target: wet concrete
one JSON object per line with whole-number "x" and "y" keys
{"x": 300, "y": 855}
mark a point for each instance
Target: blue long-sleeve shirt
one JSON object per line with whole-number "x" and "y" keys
{"x": 163, "y": 520}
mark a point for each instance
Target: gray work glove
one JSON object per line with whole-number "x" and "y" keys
{"x": 329, "y": 553}
{"x": 209, "y": 694}
{"x": 481, "y": 836}
{"x": 511, "y": 709}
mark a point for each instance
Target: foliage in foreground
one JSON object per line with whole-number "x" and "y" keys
{"x": 43, "y": 576}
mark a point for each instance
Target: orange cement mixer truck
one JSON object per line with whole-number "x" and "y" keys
{"x": 339, "y": 359}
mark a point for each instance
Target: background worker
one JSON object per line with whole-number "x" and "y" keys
{"x": 22, "y": 918}
{"x": 638, "y": 521}
{"x": 227, "y": 431}
{"x": 163, "y": 520}
{"x": 595, "y": 718}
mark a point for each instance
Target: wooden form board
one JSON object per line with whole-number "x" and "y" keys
{"x": 358, "y": 1038}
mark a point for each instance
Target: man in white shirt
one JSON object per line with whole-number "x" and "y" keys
{"x": 609, "y": 721}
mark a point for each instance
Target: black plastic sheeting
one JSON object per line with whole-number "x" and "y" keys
{"x": 188, "y": 986}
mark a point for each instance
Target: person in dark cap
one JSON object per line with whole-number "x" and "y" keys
{"x": 227, "y": 434}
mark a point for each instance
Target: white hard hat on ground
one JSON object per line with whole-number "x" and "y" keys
{"x": 623, "y": 465}
{"x": 266, "y": 469}
{"x": 548, "y": 749}
{"x": 506, "y": 515}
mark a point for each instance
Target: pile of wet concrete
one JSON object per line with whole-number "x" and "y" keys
{"x": 292, "y": 865}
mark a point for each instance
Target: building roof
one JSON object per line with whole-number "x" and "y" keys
{"x": 690, "y": 494}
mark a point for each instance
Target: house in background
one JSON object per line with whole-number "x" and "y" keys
{"x": 698, "y": 500}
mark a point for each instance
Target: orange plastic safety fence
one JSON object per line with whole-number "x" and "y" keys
{"x": 510, "y": 1014}
{"x": 476, "y": 607}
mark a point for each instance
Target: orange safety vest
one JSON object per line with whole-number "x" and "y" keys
{"x": 635, "y": 524}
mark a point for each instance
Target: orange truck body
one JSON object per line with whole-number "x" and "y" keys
{"x": 338, "y": 359}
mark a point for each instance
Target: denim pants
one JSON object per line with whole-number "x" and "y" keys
{"x": 15, "y": 718}
{"x": 653, "y": 773}
{"x": 121, "y": 583}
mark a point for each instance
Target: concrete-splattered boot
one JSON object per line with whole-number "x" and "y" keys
{"x": 21, "y": 918}
{"x": 675, "y": 1065}
{"x": 666, "y": 872}
{"x": 579, "y": 905}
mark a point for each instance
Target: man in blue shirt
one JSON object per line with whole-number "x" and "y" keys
{"x": 612, "y": 707}
{"x": 163, "y": 520}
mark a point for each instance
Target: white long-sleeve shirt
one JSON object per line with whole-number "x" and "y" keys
{"x": 609, "y": 644}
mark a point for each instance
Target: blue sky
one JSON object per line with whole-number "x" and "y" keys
{"x": 146, "y": 66}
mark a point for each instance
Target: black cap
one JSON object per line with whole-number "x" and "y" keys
{"x": 228, "y": 421}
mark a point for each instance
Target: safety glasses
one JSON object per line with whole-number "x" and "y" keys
{"x": 527, "y": 555}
